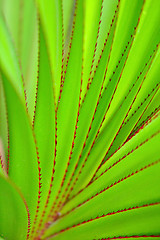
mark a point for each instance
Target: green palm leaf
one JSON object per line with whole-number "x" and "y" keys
{"x": 79, "y": 119}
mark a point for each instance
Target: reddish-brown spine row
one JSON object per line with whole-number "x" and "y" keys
{"x": 95, "y": 48}
{"x": 35, "y": 141}
{"x": 38, "y": 64}
{"x": 105, "y": 215}
{"x": 105, "y": 42}
{"x": 54, "y": 162}
{"x": 129, "y": 107}
{"x": 64, "y": 71}
{"x": 95, "y": 109}
{"x": 94, "y": 179}
{"x": 39, "y": 187}
{"x": 110, "y": 186}
{"x": 128, "y": 237}
{"x": 156, "y": 111}
{"x": 29, "y": 219}
{"x": 73, "y": 142}
{"x": 2, "y": 163}
{"x": 141, "y": 144}
{"x": 135, "y": 132}
{"x": 109, "y": 104}
{"x": 155, "y": 88}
